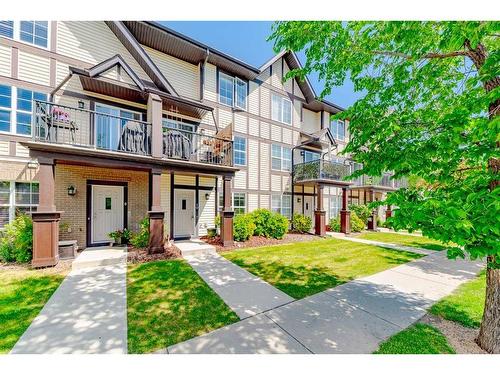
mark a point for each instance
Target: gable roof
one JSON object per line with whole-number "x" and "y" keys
{"x": 110, "y": 63}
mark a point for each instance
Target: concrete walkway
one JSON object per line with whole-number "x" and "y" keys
{"x": 244, "y": 293}
{"x": 87, "y": 313}
{"x": 352, "y": 318}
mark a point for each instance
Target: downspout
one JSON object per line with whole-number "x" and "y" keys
{"x": 203, "y": 89}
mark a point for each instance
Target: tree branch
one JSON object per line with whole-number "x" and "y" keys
{"x": 431, "y": 55}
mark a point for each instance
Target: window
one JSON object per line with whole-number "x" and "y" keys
{"x": 7, "y": 29}
{"x": 233, "y": 91}
{"x": 335, "y": 206}
{"x": 178, "y": 123}
{"x": 15, "y": 198}
{"x": 337, "y": 127}
{"x": 281, "y": 109}
{"x": 310, "y": 156}
{"x": 281, "y": 158}
{"x": 34, "y": 32}
{"x": 15, "y": 109}
{"x": 282, "y": 204}
{"x": 240, "y": 151}
{"x": 239, "y": 205}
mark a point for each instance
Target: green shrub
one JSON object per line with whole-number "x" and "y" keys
{"x": 141, "y": 239}
{"x": 16, "y": 241}
{"x": 301, "y": 223}
{"x": 217, "y": 221}
{"x": 335, "y": 224}
{"x": 362, "y": 212}
{"x": 357, "y": 225}
{"x": 243, "y": 227}
{"x": 269, "y": 224}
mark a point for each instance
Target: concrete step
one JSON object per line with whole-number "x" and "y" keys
{"x": 100, "y": 256}
{"x": 194, "y": 248}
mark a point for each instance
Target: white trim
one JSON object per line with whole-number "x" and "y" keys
{"x": 245, "y": 83}
{"x": 281, "y": 109}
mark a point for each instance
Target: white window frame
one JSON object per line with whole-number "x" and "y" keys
{"x": 245, "y": 86}
{"x": 14, "y": 111}
{"x": 307, "y": 152}
{"x": 279, "y": 209}
{"x": 280, "y": 117}
{"x": 236, "y": 84}
{"x": 281, "y": 158}
{"x": 334, "y": 128}
{"x": 12, "y": 199}
{"x": 229, "y": 78}
{"x": 17, "y": 34}
{"x": 240, "y": 151}
{"x": 335, "y": 206}
{"x": 239, "y": 207}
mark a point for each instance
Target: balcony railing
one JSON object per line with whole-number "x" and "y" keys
{"x": 60, "y": 124}
{"x": 385, "y": 180}
{"x": 320, "y": 170}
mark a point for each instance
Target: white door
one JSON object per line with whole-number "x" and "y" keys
{"x": 309, "y": 207}
{"x": 184, "y": 222}
{"x": 107, "y": 211}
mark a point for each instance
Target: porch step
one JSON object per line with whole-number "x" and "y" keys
{"x": 194, "y": 247}
{"x": 100, "y": 256}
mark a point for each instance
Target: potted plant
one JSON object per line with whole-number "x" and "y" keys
{"x": 120, "y": 236}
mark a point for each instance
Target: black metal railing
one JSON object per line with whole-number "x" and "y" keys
{"x": 61, "y": 124}
{"x": 320, "y": 170}
{"x": 199, "y": 147}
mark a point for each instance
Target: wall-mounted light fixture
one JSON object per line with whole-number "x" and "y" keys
{"x": 207, "y": 196}
{"x": 71, "y": 190}
{"x": 33, "y": 164}
{"x": 81, "y": 104}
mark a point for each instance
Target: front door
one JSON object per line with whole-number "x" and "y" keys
{"x": 184, "y": 222}
{"x": 107, "y": 212}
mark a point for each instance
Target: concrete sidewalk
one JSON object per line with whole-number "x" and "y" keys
{"x": 352, "y": 318}
{"x": 244, "y": 293}
{"x": 87, "y": 314}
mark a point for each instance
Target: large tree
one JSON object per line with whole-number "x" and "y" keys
{"x": 429, "y": 108}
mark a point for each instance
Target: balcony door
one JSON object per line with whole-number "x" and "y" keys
{"x": 310, "y": 156}
{"x": 109, "y": 122}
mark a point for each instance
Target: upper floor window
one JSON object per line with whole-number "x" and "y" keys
{"x": 281, "y": 158}
{"x": 240, "y": 151}
{"x": 16, "y": 106}
{"x": 281, "y": 109}
{"x": 232, "y": 91}
{"x": 310, "y": 156}
{"x": 32, "y": 32}
{"x": 337, "y": 127}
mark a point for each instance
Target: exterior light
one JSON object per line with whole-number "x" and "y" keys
{"x": 33, "y": 164}
{"x": 71, "y": 190}
{"x": 81, "y": 104}
{"x": 207, "y": 195}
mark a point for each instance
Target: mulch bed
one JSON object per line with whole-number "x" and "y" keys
{"x": 139, "y": 255}
{"x": 260, "y": 241}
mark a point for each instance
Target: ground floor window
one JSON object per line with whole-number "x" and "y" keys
{"x": 282, "y": 204}
{"x": 335, "y": 206}
{"x": 15, "y": 198}
{"x": 239, "y": 203}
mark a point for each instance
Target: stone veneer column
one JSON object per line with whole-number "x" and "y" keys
{"x": 372, "y": 219}
{"x": 156, "y": 216}
{"x": 345, "y": 214}
{"x": 46, "y": 219}
{"x": 227, "y": 213}
{"x": 320, "y": 214}
{"x": 388, "y": 212}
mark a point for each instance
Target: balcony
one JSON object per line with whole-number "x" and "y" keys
{"x": 321, "y": 170}
{"x": 385, "y": 182}
{"x": 64, "y": 125}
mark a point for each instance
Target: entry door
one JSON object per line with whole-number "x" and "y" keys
{"x": 184, "y": 221}
{"x": 107, "y": 211}
{"x": 309, "y": 207}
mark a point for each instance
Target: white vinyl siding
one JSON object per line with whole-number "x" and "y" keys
{"x": 5, "y": 59}
{"x": 33, "y": 68}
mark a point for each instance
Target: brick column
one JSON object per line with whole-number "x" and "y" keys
{"x": 156, "y": 215}
{"x": 46, "y": 219}
{"x": 345, "y": 214}
{"x": 227, "y": 213}
{"x": 154, "y": 116}
{"x": 320, "y": 214}
{"x": 372, "y": 219}
{"x": 388, "y": 212}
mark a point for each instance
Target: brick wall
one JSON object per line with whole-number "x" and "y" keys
{"x": 75, "y": 207}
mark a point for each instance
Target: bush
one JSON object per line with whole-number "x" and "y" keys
{"x": 362, "y": 212}
{"x": 357, "y": 225}
{"x": 301, "y": 223}
{"x": 335, "y": 224}
{"x": 243, "y": 227}
{"x": 16, "y": 241}
{"x": 269, "y": 224}
{"x": 141, "y": 239}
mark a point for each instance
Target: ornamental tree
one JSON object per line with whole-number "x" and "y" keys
{"x": 429, "y": 109}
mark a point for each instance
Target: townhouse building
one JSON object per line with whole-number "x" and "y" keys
{"x": 105, "y": 123}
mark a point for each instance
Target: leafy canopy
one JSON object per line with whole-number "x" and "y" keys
{"x": 430, "y": 99}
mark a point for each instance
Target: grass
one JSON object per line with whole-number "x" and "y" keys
{"x": 404, "y": 240}
{"x": 23, "y": 293}
{"x": 302, "y": 269}
{"x": 417, "y": 339}
{"x": 169, "y": 303}
{"x": 465, "y": 305}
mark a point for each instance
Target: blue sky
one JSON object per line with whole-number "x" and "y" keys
{"x": 246, "y": 40}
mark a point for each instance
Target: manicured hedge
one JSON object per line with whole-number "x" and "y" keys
{"x": 269, "y": 224}
{"x": 301, "y": 223}
{"x": 243, "y": 227}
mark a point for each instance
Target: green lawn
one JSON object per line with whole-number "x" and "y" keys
{"x": 23, "y": 293}
{"x": 417, "y": 339}
{"x": 404, "y": 240}
{"x": 168, "y": 303}
{"x": 465, "y": 305}
{"x": 302, "y": 269}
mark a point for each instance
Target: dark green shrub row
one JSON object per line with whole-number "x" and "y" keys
{"x": 269, "y": 224}
{"x": 357, "y": 225}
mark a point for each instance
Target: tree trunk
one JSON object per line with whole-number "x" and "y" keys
{"x": 489, "y": 334}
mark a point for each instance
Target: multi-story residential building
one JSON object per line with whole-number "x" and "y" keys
{"x": 104, "y": 123}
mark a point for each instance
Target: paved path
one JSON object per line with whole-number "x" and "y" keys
{"x": 86, "y": 314}
{"x": 243, "y": 292}
{"x": 352, "y": 318}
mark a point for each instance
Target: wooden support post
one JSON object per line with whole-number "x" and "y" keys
{"x": 345, "y": 214}
{"x": 156, "y": 216}
{"x": 227, "y": 213}
{"x": 320, "y": 214}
